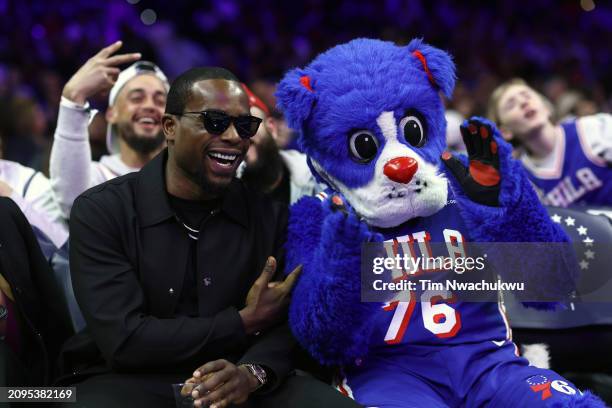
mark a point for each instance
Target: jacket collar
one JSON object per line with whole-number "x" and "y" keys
{"x": 152, "y": 201}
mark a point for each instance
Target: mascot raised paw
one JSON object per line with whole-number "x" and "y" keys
{"x": 370, "y": 118}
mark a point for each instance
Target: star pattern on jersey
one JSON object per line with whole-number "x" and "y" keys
{"x": 537, "y": 380}
{"x": 582, "y": 232}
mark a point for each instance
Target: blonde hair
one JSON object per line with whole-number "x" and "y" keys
{"x": 493, "y": 105}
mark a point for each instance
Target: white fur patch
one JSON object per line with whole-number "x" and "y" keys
{"x": 537, "y": 355}
{"x": 386, "y": 123}
{"x": 386, "y": 203}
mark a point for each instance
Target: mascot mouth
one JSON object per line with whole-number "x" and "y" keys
{"x": 422, "y": 185}
{"x": 418, "y": 187}
{"x": 395, "y": 194}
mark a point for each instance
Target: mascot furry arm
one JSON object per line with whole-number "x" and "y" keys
{"x": 326, "y": 314}
{"x": 356, "y": 91}
{"x": 499, "y": 204}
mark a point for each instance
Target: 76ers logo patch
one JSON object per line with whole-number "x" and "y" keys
{"x": 539, "y": 383}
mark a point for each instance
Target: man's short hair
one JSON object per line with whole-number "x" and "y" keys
{"x": 180, "y": 90}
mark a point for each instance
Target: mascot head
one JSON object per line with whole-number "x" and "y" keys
{"x": 371, "y": 120}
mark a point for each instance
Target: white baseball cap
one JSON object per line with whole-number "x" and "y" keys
{"x": 137, "y": 68}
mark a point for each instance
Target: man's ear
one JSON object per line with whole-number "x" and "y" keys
{"x": 296, "y": 96}
{"x": 435, "y": 63}
{"x": 168, "y": 125}
{"x": 111, "y": 115}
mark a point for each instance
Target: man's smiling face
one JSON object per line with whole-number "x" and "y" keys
{"x": 137, "y": 113}
{"x": 209, "y": 160}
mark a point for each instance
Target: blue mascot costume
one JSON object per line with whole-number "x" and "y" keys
{"x": 371, "y": 120}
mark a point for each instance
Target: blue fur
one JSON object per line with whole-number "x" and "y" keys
{"x": 326, "y": 303}
{"x": 302, "y": 99}
{"x": 352, "y": 84}
{"x": 376, "y": 76}
{"x": 304, "y": 231}
{"x": 586, "y": 400}
{"x": 439, "y": 63}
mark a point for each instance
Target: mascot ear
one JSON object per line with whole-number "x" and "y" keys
{"x": 436, "y": 64}
{"x": 296, "y": 97}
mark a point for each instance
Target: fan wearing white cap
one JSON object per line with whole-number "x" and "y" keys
{"x": 136, "y": 103}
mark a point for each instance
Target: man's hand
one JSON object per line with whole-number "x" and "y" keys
{"x": 97, "y": 75}
{"x": 266, "y": 302}
{"x": 5, "y": 189}
{"x": 221, "y": 383}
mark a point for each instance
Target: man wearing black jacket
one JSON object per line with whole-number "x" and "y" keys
{"x": 167, "y": 269}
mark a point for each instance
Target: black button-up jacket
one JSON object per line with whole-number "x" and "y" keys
{"x": 128, "y": 256}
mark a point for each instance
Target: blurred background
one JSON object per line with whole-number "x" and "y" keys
{"x": 560, "y": 46}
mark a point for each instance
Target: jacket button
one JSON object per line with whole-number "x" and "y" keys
{"x": 171, "y": 292}
{"x": 207, "y": 281}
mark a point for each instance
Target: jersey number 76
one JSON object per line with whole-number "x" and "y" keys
{"x": 439, "y": 318}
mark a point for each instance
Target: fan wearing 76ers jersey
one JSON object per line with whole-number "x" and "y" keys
{"x": 569, "y": 163}
{"x": 369, "y": 117}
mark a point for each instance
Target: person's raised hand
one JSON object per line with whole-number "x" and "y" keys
{"x": 98, "y": 74}
{"x": 267, "y": 301}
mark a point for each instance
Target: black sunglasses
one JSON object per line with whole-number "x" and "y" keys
{"x": 216, "y": 122}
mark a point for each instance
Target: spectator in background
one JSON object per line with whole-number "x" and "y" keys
{"x": 454, "y": 141}
{"x": 283, "y": 135}
{"x": 31, "y": 191}
{"x": 574, "y": 104}
{"x": 136, "y": 104}
{"x": 282, "y": 175}
{"x": 25, "y": 132}
{"x": 569, "y": 163}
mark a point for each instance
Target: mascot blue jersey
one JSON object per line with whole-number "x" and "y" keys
{"x": 577, "y": 176}
{"x": 434, "y": 317}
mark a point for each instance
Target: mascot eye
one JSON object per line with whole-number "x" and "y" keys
{"x": 363, "y": 146}
{"x": 412, "y": 126}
